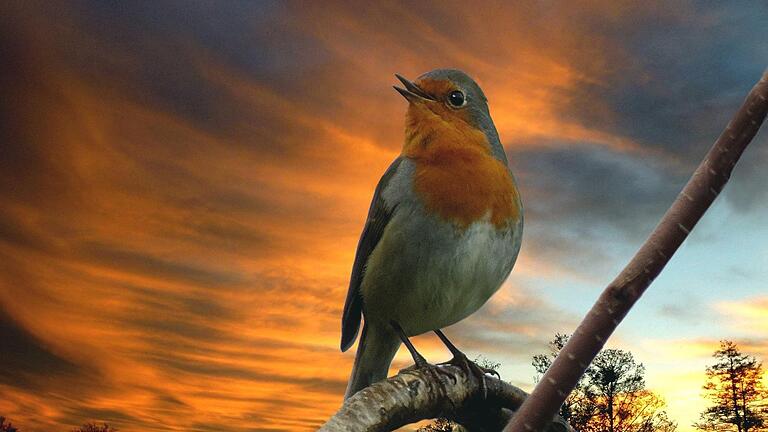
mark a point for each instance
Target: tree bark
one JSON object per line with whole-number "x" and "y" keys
{"x": 418, "y": 394}
{"x": 617, "y": 299}
{"x": 610, "y": 411}
{"x": 734, "y": 397}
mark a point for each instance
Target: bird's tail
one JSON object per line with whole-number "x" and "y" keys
{"x": 375, "y": 352}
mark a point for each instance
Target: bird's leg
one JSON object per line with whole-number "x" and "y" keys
{"x": 419, "y": 359}
{"x": 461, "y": 361}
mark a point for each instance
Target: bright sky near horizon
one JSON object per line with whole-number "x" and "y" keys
{"x": 182, "y": 187}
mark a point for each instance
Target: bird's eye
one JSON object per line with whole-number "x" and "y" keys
{"x": 457, "y": 99}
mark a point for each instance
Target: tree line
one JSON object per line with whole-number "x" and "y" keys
{"x": 612, "y": 396}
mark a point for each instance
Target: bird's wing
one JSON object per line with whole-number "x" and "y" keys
{"x": 379, "y": 216}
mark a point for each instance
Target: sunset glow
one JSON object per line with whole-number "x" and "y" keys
{"x": 182, "y": 187}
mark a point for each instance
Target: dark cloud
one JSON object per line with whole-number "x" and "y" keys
{"x": 26, "y": 361}
{"x": 28, "y": 167}
{"x": 745, "y": 191}
{"x": 13, "y": 231}
{"x": 678, "y": 76}
{"x": 689, "y": 314}
{"x": 675, "y": 79}
{"x": 587, "y": 183}
{"x": 119, "y": 257}
{"x": 597, "y": 202}
{"x": 196, "y": 304}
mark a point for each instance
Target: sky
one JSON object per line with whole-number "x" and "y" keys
{"x": 182, "y": 187}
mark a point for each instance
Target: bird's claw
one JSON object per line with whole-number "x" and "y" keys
{"x": 490, "y": 371}
{"x": 423, "y": 365}
{"x": 461, "y": 361}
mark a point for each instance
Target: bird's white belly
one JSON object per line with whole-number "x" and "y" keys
{"x": 425, "y": 274}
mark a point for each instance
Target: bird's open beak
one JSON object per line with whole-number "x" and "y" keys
{"x": 412, "y": 92}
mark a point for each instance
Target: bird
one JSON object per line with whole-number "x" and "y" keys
{"x": 443, "y": 231}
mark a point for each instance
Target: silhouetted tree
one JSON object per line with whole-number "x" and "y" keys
{"x": 7, "y": 427}
{"x": 439, "y": 425}
{"x": 579, "y": 406}
{"x": 611, "y": 395}
{"x": 93, "y": 427}
{"x": 734, "y": 386}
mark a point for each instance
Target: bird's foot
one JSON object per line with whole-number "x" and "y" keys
{"x": 434, "y": 369}
{"x": 420, "y": 363}
{"x": 461, "y": 361}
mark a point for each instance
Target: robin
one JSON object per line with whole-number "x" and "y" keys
{"x": 443, "y": 231}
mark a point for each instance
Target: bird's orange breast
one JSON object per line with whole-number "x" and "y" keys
{"x": 456, "y": 175}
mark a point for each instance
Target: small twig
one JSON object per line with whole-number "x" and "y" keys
{"x": 413, "y": 395}
{"x": 617, "y": 299}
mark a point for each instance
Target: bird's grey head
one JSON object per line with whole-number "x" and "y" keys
{"x": 460, "y": 93}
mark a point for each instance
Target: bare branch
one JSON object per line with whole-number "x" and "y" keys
{"x": 413, "y": 395}
{"x": 617, "y": 299}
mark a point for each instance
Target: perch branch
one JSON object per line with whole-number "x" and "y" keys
{"x": 413, "y": 395}
{"x": 614, "y": 303}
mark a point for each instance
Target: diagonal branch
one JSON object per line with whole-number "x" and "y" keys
{"x": 617, "y": 299}
{"x": 418, "y": 394}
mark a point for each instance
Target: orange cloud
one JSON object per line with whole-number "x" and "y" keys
{"x": 748, "y": 315}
